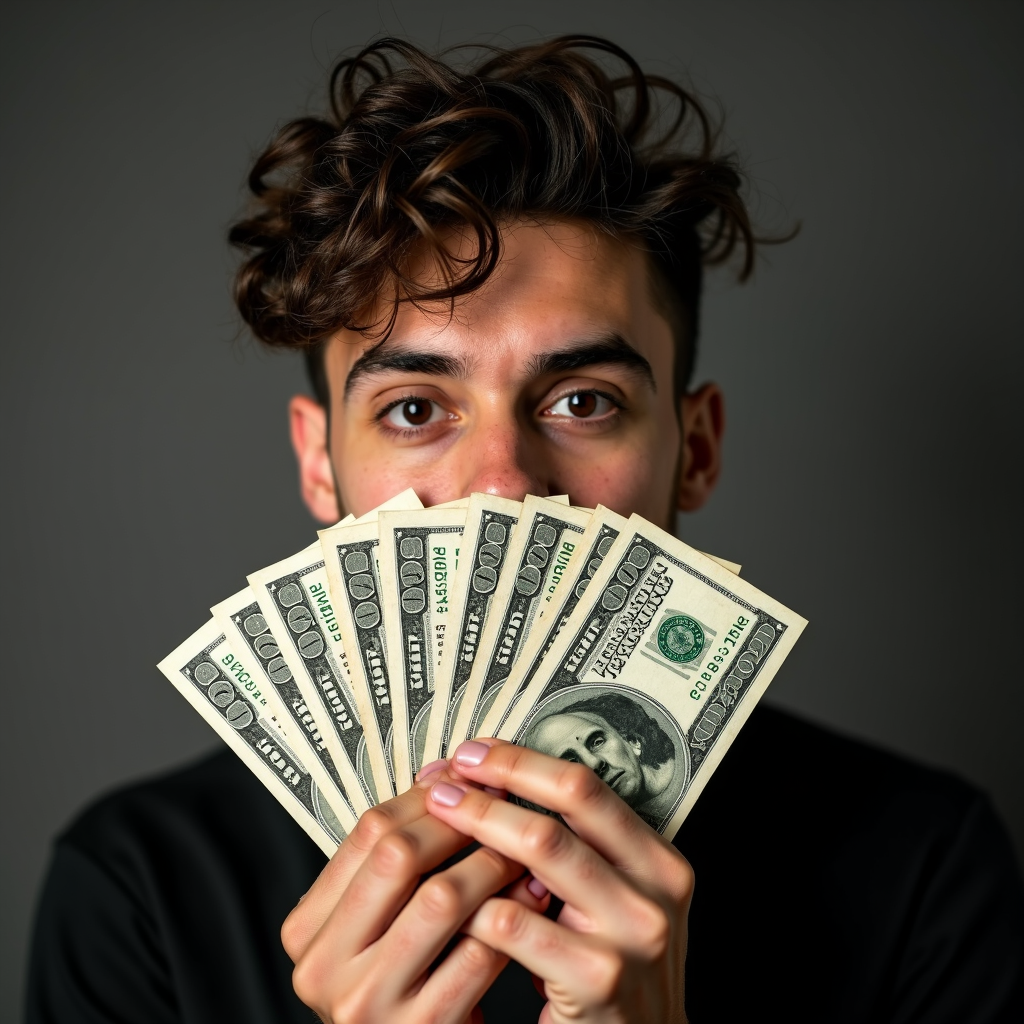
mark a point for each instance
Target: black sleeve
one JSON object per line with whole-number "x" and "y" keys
{"x": 964, "y": 956}
{"x": 95, "y": 958}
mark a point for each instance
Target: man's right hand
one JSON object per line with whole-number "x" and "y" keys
{"x": 364, "y": 938}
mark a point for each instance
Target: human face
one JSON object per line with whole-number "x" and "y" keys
{"x": 589, "y": 739}
{"x": 554, "y": 377}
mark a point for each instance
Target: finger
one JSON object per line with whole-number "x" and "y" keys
{"x": 437, "y": 911}
{"x": 459, "y": 983}
{"x": 315, "y": 907}
{"x": 588, "y": 806}
{"x": 531, "y": 892}
{"x": 384, "y": 882}
{"x": 559, "y": 860}
{"x": 581, "y": 964}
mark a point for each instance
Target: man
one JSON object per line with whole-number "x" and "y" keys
{"x": 495, "y": 275}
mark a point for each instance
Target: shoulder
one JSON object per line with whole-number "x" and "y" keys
{"x": 187, "y": 822}
{"x": 790, "y": 767}
{"x": 172, "y": 804}
{"x": 157, "y": 881}
{"x": 867, "y": 869}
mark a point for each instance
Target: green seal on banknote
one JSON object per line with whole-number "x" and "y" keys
{"x": 680, "y": 638}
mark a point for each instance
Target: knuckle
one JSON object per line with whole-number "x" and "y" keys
{"x": 394, "y": 854}
{"x": 580, "y": 784}
{"x": 605, "y": 970}
{"x": 512, "y": 758}
{"x": 352, "y": 1007}
{"x": 292, "y": 932}
{"x": 371, "y": 827}
{"x": 440, "y": 898}
{"x": 508, "y": 920}
{"x": 678, "y": 877}
{"x": 653, "y": 929}
{"x": 308, "y": 981}
{"x": 477, "y": 957}
{"x": 545, "y": 837}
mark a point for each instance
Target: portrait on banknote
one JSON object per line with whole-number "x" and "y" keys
{"x": 631, "y": 743}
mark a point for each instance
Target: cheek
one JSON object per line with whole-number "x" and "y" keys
{"x": 631, "y": 478}
{"x": 369, "y": 472}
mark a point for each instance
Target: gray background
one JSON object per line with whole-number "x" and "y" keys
{"x": 873, "y": 470}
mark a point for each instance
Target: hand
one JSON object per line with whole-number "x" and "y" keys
{"x": 616, "y": 952}
{"x": 364, "y": 938}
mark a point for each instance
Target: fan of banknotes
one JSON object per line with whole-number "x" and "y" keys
{"x": 341, "y": 670}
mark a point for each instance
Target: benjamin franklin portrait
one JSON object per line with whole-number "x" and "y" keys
{"x": 629, "y": 742}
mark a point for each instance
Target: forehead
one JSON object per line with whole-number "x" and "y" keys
{"x": 557, "y": 281}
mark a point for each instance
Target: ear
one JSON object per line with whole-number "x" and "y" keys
{"x": 308, "y": 424}
{"x": 702, "y": 415}
{"x": 634, "y": 744}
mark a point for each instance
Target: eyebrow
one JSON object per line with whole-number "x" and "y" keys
{"x": 611, "y": 349}
{"x": 380, "y": 360}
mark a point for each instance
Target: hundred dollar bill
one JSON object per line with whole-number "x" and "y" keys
{"x": 655, "y": 671}
{"x": 251, "y": 638}
{"x": 201, "y": 669}
{"x": 733, "y": 567}
{"x": 351, "y": 558}
{"x": 490, "y": 522}
{"x": 295, "y": 597}
{"x": 539, "y": 555}
{"x": 419, "y": 554}
{"x": 603, "y": 527}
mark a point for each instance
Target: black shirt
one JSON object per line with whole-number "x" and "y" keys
{"x": 834, "y": 882}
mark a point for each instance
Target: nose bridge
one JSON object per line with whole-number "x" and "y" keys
{"x": 590, "y": 759}
{"x": 497, "y": 457}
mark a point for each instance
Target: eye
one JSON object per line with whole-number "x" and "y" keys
{"x": 412, "y": 413}
{"x": 582, "y": 405}
{"x": 595, "y": 741}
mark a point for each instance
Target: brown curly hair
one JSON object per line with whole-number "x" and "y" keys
{"x": 414, "y": 147}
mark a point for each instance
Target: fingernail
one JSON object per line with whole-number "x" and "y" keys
{"x": 494, "y": 791}
{"x": 537, "y": 887}
{"x": 429, "y": 769}
{"x": 447, "y": 795}
{"x": 471, "y": 753}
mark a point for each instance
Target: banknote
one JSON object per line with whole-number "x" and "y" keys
{"x": 204, "y": 670}
{"x": 490, "y": 522}
{"x": 560, "y": 602}
{"x": 418, "y": 556}
{"x": 651, "y": 677}
{"x": 603, "y": 528}
{"x": 296, "y": 599}
{"x": 350, "y": 559}
{"x": 251, "y": 637}
{"x": 538, "y": 558}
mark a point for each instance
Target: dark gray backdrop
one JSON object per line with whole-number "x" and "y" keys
{"x": 873, "y": 471}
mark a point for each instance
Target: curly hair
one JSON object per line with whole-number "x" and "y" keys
{"x": 414, "y": 147}
{"x": 630, "y": 721}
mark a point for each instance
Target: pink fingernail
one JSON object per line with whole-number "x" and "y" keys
{"x": 471, "y": 753}
{"x": 447, "y": 795}
{"x": 494, "y": 791}
{"x": 537, "y": 887}
{"x": 429, "y": 769}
